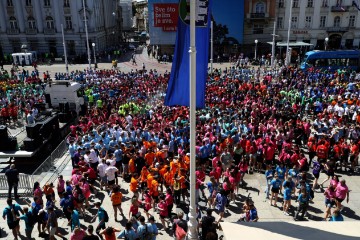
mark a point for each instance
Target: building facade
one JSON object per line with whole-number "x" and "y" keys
{"x": 37, "y": 24}
{"x": 315, "y": 21}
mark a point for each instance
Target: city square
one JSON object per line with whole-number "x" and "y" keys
{"x": 103, "y": 135}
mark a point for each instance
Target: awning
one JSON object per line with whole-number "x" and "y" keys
{"x": 347, "y": 230}
{"x": 292, "y": 44}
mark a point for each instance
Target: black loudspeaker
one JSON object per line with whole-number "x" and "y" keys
{"x": 64, "y": 117}
{"x": 47, "y": 98}
{"x": 64, "y": 107}
{"x": 46, "y": 113}
{"x": 3, "y": 132}
{"x": 12, "y": 144}
{"x": 32, "y": 131}
{"x": 31, "y": 144}
{"x": 48, "y": 126}
{"x": 40, "y": 106}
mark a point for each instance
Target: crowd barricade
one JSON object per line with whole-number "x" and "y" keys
{"x": 25, "y": 184}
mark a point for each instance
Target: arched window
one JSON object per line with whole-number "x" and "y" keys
{"x": 337, "y": 21}
{"x": 260, "y": 7}
{"x": 31, "y": 23}
{"x": 49, "y": 22}
{"x": 13, "y": 23}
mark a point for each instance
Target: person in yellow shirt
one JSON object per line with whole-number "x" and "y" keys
{"x": 116, "y": 199}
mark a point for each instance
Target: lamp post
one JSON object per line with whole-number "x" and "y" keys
{"x": 326, "y": 43}
{"x": 95, "y": 64}
{"x": 256, "y": 42}
{"x": 87, "y": 35}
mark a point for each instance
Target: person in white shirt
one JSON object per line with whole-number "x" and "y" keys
{"x": 93, "y": 158}
{"x": 110, "y": 174}
{"x": 101, "y": 168}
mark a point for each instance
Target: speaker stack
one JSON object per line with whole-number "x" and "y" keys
{"x": 8, "y": 143}
{"x": 33, "y": 139}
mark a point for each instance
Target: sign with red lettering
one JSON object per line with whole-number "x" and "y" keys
{"x": 166, "y": 16}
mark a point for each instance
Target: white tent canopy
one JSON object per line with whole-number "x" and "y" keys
{"x": 292, "y": 44}
{"x": 347, "y": 230}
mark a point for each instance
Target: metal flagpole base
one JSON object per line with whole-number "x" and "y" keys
{"x": 192, "y": 225}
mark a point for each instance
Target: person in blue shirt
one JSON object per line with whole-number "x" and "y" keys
{"x": 154, "y": 230}
{"x": 281, "y": 172}
{"x": 269, "y": 175}
{"x": 35, "y": 208}
{"x": 28, "y": 226}
{"x": 128, "y": 232}
{"x": 66, "y": 201}
{"x": 101, "y": 217}
{"x": 303, "y": 200}
{"x": 75, "y": 221}
{"x": 253, "y": 214}
{"x": 287, "y": 186}
{"x": 336, "y": 216}
{"x": 275, "y": 189}
{"x": 11, "y": 214}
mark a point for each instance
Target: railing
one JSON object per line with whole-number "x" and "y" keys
{"x": 31, "y": 31}
{"x": 257, "y": 15}
{"x": 13, "y": 31}
{"x": 340, "y": 8}
{"x": 337, "y": 29}
{"x": 42, "y": 172}
{"x": 25, "y": 183}
{"x": 49, "y": 31}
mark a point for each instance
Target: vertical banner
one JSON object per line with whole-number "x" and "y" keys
{"x": 178, "y": 91}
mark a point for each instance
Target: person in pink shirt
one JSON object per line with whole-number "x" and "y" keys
{"x": 77, "y": 234}
{"x": 215, "y": 160}
{"x": 342, "y": 192}
{"x": 163, "y": 210}
{"x": 169, "y": 199}
{"x": 330, "y": 196}
{"x": 61, "y": 185}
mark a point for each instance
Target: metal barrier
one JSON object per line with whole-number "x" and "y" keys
{"x": 48, "y": 165}
{"x": 25, "y": 183}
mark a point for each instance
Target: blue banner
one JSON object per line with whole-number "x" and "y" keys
{"x": 178, "y": 92}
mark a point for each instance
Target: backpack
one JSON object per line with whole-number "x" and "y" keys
{"x": 146, "y": 234}
{"x": 106, "y": 216}
{"x": 180, "y": 233}
{"x": 31, "y": 218}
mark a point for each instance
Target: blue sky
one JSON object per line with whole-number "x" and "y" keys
{"x": 230, "y": 13}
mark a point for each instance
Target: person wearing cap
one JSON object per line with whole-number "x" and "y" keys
{"x": 12, "y": 175}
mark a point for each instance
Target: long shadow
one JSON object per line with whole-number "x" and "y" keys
{"x": 348, "y": 212}
{"x": 298, "y": 232}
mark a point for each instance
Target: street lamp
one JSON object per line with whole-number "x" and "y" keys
{"x": 256, "y": 42}
{"x": 95, "y": 64}
{"x": 326, "y": 43}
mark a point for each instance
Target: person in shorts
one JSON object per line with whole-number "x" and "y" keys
{"x": 11, "y": 214}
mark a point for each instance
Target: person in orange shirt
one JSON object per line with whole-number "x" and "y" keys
{"x": 134, "y": 184}
{"x": 132, "y": 166}
{"x": 168, "y": 177}
{"x": 149, "y": 179}
{"x": 143, "y": 176}
{"x": 146, "y": 144}
{"x": 149, "y": 157}
{"x": 154, "y": 191}
{"x": 174, "y": 166}
{"x": 183, "y": 185}
{"x": 116, "y": 199}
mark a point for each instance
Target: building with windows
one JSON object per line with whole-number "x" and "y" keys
{"x": 259, "y": 16}
{"x": 315, "y": 21}
{"x": 37, "y": 24}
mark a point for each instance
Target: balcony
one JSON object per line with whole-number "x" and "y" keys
{"x": 49, "y": 31}
{"x": 257, "y": 15}
{"x": 31, "y": 31}
{"x": 337, "y": 29}
{"x": 12, "y": 31}
{"x": 340, "y": 9}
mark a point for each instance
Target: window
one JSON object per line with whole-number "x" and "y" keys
{"x": 338, "y": 3}
{"x": 324, "y": 3}
{"x": 68, "y": 22}
{"x": 47, "y": 3}
{"x": 337, "y": 21}
{"x": 352, "y": 21}
{"x": 28, "y": 3}
{"x": 10, "y": 3}
{"x": 49, "y": 23}
{"x": 322, "y": 21}
{"x": 308, "y": 21}
{"x": 258, "y": 29}
{"x": 31, "y": 23}
{"x": 281, "y": 4}
{"x": 280, "y": 23}
{"x": 294, "y": 22}
{"x": 260, "y": 7}
{"x": 66, "y": 3}
{"x": 295, "y": 4}
{"x": 349, "y": 43}
{"x": 310, "y": 3}
{"x": 13, "y": 23}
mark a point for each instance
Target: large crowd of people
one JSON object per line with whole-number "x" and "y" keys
{"x": 286, "y": 126}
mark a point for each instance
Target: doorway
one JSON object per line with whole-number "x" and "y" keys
{"x": 335, "y": 41}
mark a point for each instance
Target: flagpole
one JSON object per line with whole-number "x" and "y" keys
{"x": 273, "y": 48}
{"x": 64, "y": 44}
{"x": 192, "y": 233}
{"x": 211, "y": 46}
{"x": 288, "y": 36}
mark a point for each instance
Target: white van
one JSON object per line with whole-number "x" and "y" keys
{"x": 28, "y": 58}
{"x": 65, "y": 91}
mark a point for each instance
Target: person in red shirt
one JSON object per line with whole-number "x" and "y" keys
{"x": 354, "y": 153}
{"x": 322, "y": 151}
